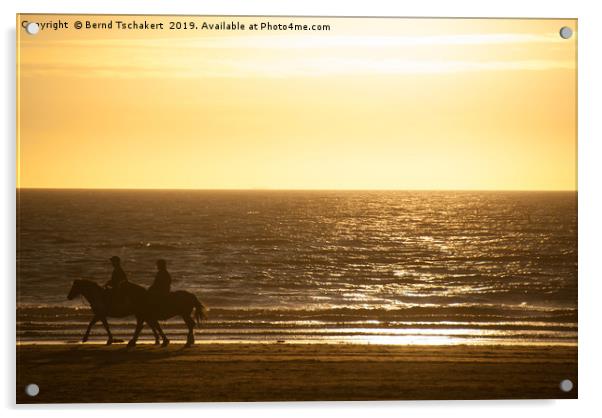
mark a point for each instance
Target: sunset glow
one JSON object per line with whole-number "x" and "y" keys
{"x": 369, "y": 104}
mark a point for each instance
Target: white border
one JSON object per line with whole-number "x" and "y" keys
{"x": 590, "y": 207}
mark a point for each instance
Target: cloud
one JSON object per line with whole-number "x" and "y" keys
{"x": 293, "y": 40}
{"x": 291, "y": 68}
{"x": 291, "y": 56}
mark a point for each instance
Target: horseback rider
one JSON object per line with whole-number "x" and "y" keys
{"x": 116, "y": 284}
{"x": 159, "y": 290}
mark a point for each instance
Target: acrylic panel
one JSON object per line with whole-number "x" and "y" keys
{"x": 248, "y": 208}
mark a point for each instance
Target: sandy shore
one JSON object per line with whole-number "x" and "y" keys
{"x": 288, "y": 372}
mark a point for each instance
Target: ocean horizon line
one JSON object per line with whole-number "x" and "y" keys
{"x": 259, "y": 189}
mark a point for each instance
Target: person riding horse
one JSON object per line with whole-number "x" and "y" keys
{"x": 148, "y": 306}
{"x": 159, "y": 290}
{"x": 116, "y": 295}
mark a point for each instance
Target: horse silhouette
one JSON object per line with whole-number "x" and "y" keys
{"x": 178, "y": 303}
{"x": 96, "y": 298}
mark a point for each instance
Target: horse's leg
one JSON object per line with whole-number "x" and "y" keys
{"x": 90, "y": 325}
{"x": 106, "y": 325}
{"x": 139, "y": 325}
{"x": 155, "y": 333}
{"x": 163, "y": 336}
{"x": 190, "y": 323}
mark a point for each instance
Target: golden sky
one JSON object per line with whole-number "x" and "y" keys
{"x": 371, "y": 104}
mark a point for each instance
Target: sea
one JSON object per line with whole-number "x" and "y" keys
{"x": 363, "y": 267}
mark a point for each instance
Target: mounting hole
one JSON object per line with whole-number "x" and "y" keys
{"x": 566, "y": 32}
{"x": 566, "y": 385}
{"x": 32, "y": 390}
{"x": 32, "y": 28}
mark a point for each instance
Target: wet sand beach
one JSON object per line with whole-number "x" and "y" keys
{"x": 291, "y": 372}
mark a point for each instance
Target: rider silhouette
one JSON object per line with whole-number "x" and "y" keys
{"x": 161, "y": 286}
{"x": 116, "y": 283}
{"x": 118, "y": 277}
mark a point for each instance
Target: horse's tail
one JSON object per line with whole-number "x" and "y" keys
{"x": 200, "y": 311}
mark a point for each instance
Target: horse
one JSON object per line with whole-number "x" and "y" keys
{"x": 145, "y": 309}
{"x": 178, "y": 303}
{"x": 95, "y": 295}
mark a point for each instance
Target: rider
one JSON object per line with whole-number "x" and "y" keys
{"x": 117, "y": 282}
{"x": 161, "y": 286}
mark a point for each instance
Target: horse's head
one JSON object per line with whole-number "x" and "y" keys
{"x": 75, "y": 290}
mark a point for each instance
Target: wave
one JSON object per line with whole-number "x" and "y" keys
{"x": 140, "y": 245}
{"x": 482, "y": 313}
